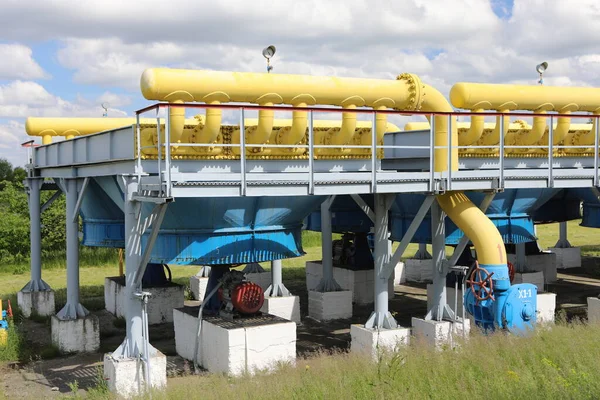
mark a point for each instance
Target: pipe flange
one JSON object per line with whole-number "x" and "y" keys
{"x": 416, "y": 92}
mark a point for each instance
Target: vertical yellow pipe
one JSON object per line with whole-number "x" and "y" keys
{"x": 47, "y": 139}
{"x": 177, "y": 117}
{"x": 474, "y": 132}
{"x": 494, "y": 138}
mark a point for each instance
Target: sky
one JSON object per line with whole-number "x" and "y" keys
{"x": 65, "y": 58}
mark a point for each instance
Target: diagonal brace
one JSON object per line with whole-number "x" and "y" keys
{"x": 408, "y": 235}
{"x": 485, "y": 203}
{"x": 158, "y": 213}
{"x": 51, "y": 200}
{"x": 363, "y": 206}
{"x": 80, "y": 193}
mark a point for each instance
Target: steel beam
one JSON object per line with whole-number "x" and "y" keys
{"x": 51, "y": 200}
{"x": 155, "y": 221}
{"x": 363, "y": 206}
{"x": 80, "y": 194}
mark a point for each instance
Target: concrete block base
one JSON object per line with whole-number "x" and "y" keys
{"x": 40, "y": 303}
{"x": 287, "y": 307}
{"x": 76, "y": 335}
{"x": 593, "y": 310}
{"x": 450, "y": 301}
{"x": 198, "y": 286}
{"x": 360, "y": 283}
{"x": 418, "y": 270}
{"x": 400, "y": 273}
{"x": 126, "y": 376}
{"x": 330, "y": 305}
{"x": 546, "y": 307}
{"x": 544, "y": 262}
{"x": 373, "y": 342}
{"x": 235, "y": 347}
{"x": 161, "y": 303}
{"x": 535, "y": 278}
{"x": 262, "y": 279}
{"x": 439, "y": 333}
{"x": 569, "y": 257}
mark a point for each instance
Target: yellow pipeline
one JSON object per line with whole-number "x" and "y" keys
{"x": 476, "y": 226}
{"x": 581, "y": 138}
{"x": 70, "y": 127}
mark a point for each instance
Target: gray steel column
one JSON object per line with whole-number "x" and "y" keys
{"x": 422, "y": 253}
{"x": 276, "y": 289}
{"x": 381, "y": 317}
{"x": 563, "y": 242}
{"x": 35, "y": 230}
{"x": 439, "y": 264}
{"x": 72, "y": 310}
{"x": 328, "y": 283}
{"x": 521, "y": 258}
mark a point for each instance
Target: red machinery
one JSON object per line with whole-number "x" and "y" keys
{"x": 240, "y": 297}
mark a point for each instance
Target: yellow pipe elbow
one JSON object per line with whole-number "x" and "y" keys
{"x": 493, "y": 139}
{"x": 474, "y": 132}
{"x": 581, "y": 137}
{"x": 380, "y": 125}
{"x": 297, "y": 130}
{"x": 476, "y": 226}
{"x": 346, "y": 131}
{"x": 436, "y": 102}
{"x": 177, "y": 122}
{"x": 212, "y": 126}
{"x": 46, "y": 139}
{"x": 262, "y": 132}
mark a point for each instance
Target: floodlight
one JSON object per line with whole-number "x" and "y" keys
{"x": 268, "y": 52}
{"x": 541, "y": 68}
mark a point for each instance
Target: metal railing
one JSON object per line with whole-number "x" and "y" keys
{"x": 165, "y": 173}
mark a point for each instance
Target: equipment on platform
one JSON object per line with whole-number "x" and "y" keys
{"x": 494, "y": 303}
{"x": 240, "y": 297}
{"x": 352, "y": 251}
{"x": 155, "y": 275}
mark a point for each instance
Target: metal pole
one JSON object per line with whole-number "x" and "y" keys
{"x": 501, "y": 179}
{"x": 373, "y": 154}
{"x": 520, "y": 257}
{"x": 138, "y": 137}
{"x": 159, "y": 149}
{"x": 438, "y": 251}
{"x": 72, "y": 248}
{"x": 432, "y": 153}
{"x": 168, "y": 149}
{"x": 550, "y": 152}
{"x": 449, "y": 186}
{"x": 596, "y": 121}
{"x": 35, "y": 231}
{"x": 311, "y": 155}
{"x": 242, "y": 152}
{"x": 276, "y": 277}
{"x": 326, "y": 241}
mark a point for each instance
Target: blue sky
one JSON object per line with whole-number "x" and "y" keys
{"x": 65, "y": 58}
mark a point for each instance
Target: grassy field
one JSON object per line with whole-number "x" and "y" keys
{"x": 557, "y": 363}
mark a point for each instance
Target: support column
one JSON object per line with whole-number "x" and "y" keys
{"x": 36, "y": 296}
{"x": 328, "y": 283}
{"x": 439, "y": 308}
{"x": 73, "y": 309}
{"x": 199, "y": 283}
{"x": 567, "y": 256}
{"x": 277, "y": 289}
{"x": 278, "y": 300}
{"x": 422, "y": 253}
{"x": 134, "y": 362}
{"x": 520, "y": 257}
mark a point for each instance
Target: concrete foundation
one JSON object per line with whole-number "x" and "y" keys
{"x": 330, "y": 305}
{"x": 417, "y": 270}
{"x": 450, "y": 301}
{"x": 400, "y": 273}
{"x": 535, "y": 278}
{"x": 40, "y": 303}
{"x": 593, "y": 310}
{"x": 439, "y": 333}
{"x": 566, "y": 258}
{"x": 160, "y": 304}
{"x": 374, "y": 342}
{"x": 245, "y": 345}
{"x": 546, "y": 307}
{"x": 198, "y": 286}
{"x": 76, "y": 335}
{"x": 262, "y": 279}
{"x": 287, "y": 307}
{"x": 361, "y": 283}
{"x": 544, "y": 262}
{"x": 127, "y": 378}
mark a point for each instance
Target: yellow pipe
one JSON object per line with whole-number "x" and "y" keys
{"x": 581, "y": 137}
{"x": 469, "y": 136}
{"x": 47, "y": 127}
{"x": 527, "y": 137}
{"x": 437, "y": 102}
{"x": 476, "y": 226}
{"x": 493, "y": 139}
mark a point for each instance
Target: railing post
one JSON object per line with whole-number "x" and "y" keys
{"x": 311, "y": 155}
{"x": 596, "y": 121}
{"x": 432, "y": 153}
{"x": 501, "y": 161}
{"x": 159, "y": 149}
{"x": 374, "y": 154}
{"x": 138, "y": 139}
{"x": 168, "y": 149}
{"x": 242, "y": 153}
{"x": 449, "y": 186}
{"x": 551, "y": 152}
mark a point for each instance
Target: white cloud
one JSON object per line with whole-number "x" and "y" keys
{"x": 16, "y": 62}
{"x": 20, "y": 99}
{"x": 12, "y": 134}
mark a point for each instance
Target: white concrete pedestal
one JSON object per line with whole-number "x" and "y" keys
{"x": 330, "y": 305}
{"x": 126, "y": 376}
{"x": 439, "y": 333}
{"x": 361, "y": 283}
{"x": 546, "y": 307}
{"x": 535, "y": 278}
{"x": 198, "y": 286}
{"x": 544, "y": 262}
{"x": 569, "y": 257}
{"x": 287, "y": 307}
{"x": 262, "y": 279}
{"x": 593, "y": 310}
{"x": 245, "y": 345}
{"x": 400, "y": 273}
{"x": 40, "y": 303}
{"x": 161, "y": 303}
{"x": 450, "y": 301}
{"x": 76, "y": 335}
{"x": 417, "y": 270}
{"x": 374, "y": 342}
